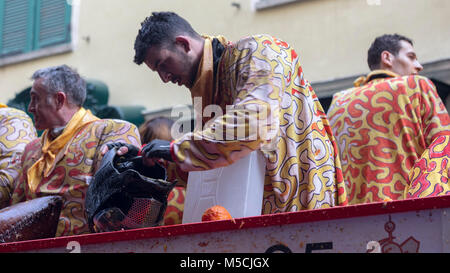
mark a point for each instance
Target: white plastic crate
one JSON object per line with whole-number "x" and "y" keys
{"x": 238, "y": 187}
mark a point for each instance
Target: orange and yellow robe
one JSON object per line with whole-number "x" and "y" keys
{"x": 265, "y": 104}
{"x": 50, "y": 167}
{"x": 383, "y": 126}
{"x": 16, "y": 131}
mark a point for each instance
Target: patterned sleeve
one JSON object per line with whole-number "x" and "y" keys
{"x": 430, "y": 174}
{"x": 27, "y": 160}
{"x": 435, "y": 118}
{"x": 250, "y": 123}
{"x": 16, "y": 131}
{"x": 115, "y": 130}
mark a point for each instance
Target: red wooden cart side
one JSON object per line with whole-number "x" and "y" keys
{"x": 281, "y": 219}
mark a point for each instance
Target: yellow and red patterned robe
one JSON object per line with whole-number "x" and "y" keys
{"x": 260, "y": 81}
{"x": 173, "y": 214}
{"x": 382, "y": 128}
{"x": 16, "y": 131}
{"x": 430, "y": 175}
{"x": 71, "y": 176}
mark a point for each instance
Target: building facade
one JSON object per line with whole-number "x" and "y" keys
{"x": 96, "y": 37}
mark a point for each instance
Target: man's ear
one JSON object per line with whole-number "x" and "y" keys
{"x": 184, "y": 42}
{"x": 60, "y": 100}
{"x": 386, "y": 59}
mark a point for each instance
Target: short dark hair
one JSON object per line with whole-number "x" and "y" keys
{"x": 158, "y": 29}
{"x": 389, "y": 42}
{"x": 156, "y": 128}
{"x": 64, "y": 79}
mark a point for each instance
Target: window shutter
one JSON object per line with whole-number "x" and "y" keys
{"x": 16, "y": 26}
{"x": 52, "y": 23}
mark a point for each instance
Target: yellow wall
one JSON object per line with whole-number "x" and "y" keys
{"x": 332, "y": 37}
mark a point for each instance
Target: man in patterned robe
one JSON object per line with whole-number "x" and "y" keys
{"x": 261, "y": 101}
{"x": 17, "y": 130}
{"x": 65, "y": 158}
{"x": 386, "y": 122}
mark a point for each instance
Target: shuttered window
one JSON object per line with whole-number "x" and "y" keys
{"x": 29, "y": 25}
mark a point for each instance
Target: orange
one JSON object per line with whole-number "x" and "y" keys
{"x": 216, "y": 213}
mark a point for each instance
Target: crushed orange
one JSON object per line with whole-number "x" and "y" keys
{"x": 215, "y": 213}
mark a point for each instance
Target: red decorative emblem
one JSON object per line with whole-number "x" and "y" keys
{"x": 388, "y": 245}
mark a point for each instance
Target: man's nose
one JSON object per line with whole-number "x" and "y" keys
{"x": 418, "y": 66}
{"x": 30, "y": 108}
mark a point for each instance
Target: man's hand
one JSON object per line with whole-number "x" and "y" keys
{"x": 122, "y": 148}
{"x": 156, "y": 149}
